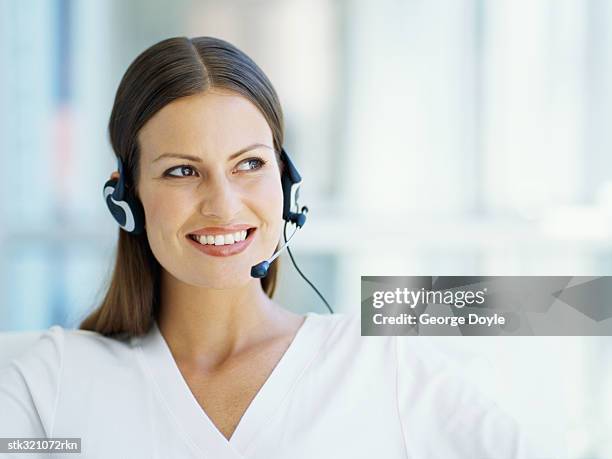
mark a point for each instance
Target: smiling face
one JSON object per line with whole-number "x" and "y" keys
{"x": 213, "y": 189}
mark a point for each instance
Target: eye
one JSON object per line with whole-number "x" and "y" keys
{"x": 183, "y": 168}
{"x": 251, "y": 164}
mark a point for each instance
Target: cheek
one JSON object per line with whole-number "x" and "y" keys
{"x": 163, "y": 211}
{"x": 268, "y": 198}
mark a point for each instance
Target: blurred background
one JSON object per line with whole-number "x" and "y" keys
{"x": 439, "y": 137}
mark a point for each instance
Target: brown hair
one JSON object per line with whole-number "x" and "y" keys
{"x": 173, "y": 68}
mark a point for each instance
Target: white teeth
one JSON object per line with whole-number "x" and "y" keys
{"x": 222, "y": 239}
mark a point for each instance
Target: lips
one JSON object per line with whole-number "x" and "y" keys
{"x": 226, "y": 249}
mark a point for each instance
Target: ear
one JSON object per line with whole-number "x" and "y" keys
{"x": 115, "y": 175}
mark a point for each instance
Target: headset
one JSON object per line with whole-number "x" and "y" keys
{"x": 128, "y": 212}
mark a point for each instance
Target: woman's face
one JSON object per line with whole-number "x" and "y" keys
{"x": 213, "y": 189}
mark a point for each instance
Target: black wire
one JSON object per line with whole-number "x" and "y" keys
{"x": 301, "y": 274}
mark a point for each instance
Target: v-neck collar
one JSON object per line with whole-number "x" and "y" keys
{"x": 183, "y": 406}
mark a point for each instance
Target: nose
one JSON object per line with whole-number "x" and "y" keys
{"x": 220, "y": 199}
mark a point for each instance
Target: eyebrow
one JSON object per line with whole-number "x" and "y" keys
{"x": 197, "y": 159}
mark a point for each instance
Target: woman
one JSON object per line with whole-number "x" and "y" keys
{"x": 188, "y": 355}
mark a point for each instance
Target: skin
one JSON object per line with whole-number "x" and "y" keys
{"x": 220, "y": 326}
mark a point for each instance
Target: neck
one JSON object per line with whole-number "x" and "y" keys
{"x": 208, "y": 326}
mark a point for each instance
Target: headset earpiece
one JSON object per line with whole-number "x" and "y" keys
{"x": 291, "y": 181}
{"x": 125, "y": 208}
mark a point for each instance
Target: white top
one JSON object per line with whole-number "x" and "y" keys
{"x": 333, "y": 394}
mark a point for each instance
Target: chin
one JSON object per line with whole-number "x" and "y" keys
{"x": 221, "y": 279}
